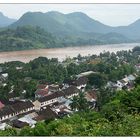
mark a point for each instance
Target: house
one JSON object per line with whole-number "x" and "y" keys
{"x": 120, "y": 84}
{"x": 67, "y": 83}
{"x": 19, "y": 124}
{"x": 85, "y": 74}
{"x": 131, "y": 77}
{"x": 5, "y": 75}
{"x": 46, "y": 114}
{"x": 41, "y": 93}
{"x": 80, "y": 83}
{"x": 47, "y": 100}
{"x": 42, "y": 90}
{"x": 71, "y": 91}
{"x": 16, "y": 109}
{"x": 91, "y": 96}
{"x": 42, "y": 86}
{"x": 28, "y": 120}
{"x": 53, "y": 88}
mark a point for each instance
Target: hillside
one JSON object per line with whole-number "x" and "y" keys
{"x": 31, "y": 37}
{"x": 55, "y": 29}
{"x": 26, "y": 37}
{"x": 5, "y": 21}
{"x": 74, "y": 23}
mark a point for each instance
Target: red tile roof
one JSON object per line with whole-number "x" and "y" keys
{"x": 42, "y": 92}
{"x": 42, "y": 86}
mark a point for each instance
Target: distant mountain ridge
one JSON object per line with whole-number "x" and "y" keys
{"x": 5, "y": 21}
{"x": 73, "y": 23}
{"x": 54, "y": 29}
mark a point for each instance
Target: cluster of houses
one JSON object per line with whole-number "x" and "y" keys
{"x": 52, "y": 101}
{"x": 126, "y": 83}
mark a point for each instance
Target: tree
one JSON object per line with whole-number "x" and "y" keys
{"x": 79, "y": 103}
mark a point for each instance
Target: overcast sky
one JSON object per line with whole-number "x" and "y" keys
{"x": 110, "y": 14}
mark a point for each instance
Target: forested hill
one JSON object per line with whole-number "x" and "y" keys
{"x": 34, "y": 37}
{"x": 27, "y": 37}
{"x": 36, "y": 30}
{"x": 75, "y": 23}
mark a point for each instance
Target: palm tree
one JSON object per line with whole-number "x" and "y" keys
{"x": 74, "y": 103}
{"x": 79, "y": 103}
{"x": 82, "y": 102}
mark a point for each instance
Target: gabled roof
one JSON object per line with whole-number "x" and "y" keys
{"x": 42, "y": 86}
{"x": 42, "y": 92}
{"x": 19, "y": 124}
{"x": 91, "y": 95}
{"x": 131, "y": 77}
{"x": 51, "y": 96}
{"x": 70, "y": 90}
{"x": 22, "y": 105}
{"x": 46, "y": 114}
{"x": 14, "y": 108}
{"x": 53, "y": 87}
{"x": 78, "y": 82}
{"x": 81, "y": 81}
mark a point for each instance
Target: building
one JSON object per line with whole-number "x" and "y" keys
{"x": 47, "y": 100}
{"x": 39, "y": 93}
{"x": 54, "y": 88}
{"x": 16, "y": 109}
{"x": 81, "y": 83}
{"x": 85, "y": 74}
{"x": 46, "y": 114}
{"x": 71, "y": 91}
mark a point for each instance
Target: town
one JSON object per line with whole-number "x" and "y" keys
{"x": 53, "y": 100}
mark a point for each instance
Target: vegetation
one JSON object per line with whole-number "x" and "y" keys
{"x": 27, "y": 37}
{"x": 117, "y": 112}
{"x": 119, "y": 117}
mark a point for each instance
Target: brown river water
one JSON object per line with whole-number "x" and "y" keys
{"x": 62, "y": 53}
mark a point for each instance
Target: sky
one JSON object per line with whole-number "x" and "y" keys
{"x": 109, "y": 14}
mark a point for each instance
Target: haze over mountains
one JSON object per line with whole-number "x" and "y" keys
{"x": 5, "y": 21}
{"x": 75, "y": 28}
{"x": 56, "y": 22}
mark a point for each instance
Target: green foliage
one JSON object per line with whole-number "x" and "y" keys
{"x": 79, "y": 103}
{"x": 98, "y": 80}
{"x": 27, "y": 37}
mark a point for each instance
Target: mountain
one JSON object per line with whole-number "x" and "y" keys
{"x": 27, "y": 37}
{"x": 76, "y": 23}
{"x": 5, "y": 21}
{"x": 56, "y": 22}
{"x": 132, "y": 31}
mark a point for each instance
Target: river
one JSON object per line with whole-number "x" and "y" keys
{"x": 62, "y": 53}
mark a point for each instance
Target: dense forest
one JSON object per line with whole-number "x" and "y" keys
{"x": 26, "y": 37}
{"x": 35, "y": 37}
